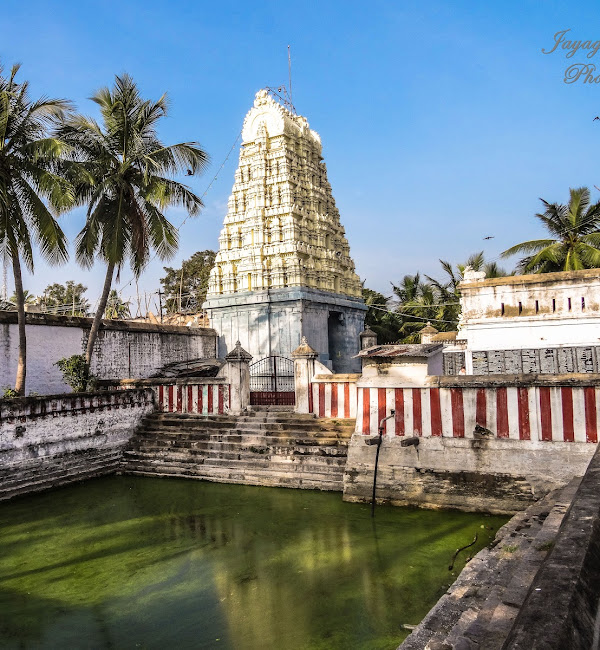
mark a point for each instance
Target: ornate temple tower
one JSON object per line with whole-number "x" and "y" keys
{"x": 283, "y": 269}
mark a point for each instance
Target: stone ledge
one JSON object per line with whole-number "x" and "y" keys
{"x": 10, "y": 318}
{"x": 292, "y": 294}
{"x": 478, "y": 610}
{"x": 561, "y": 607}
{"x": 501, "y": 381}
{"x": 75, "y": 402}
{"x": 336, "y": 378}
{"x": 158, "y": 381}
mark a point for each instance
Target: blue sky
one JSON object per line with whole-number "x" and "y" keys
{"x": 442, "y": 122}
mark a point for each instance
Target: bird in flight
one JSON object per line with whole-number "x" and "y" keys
{"x": 489, "y": 237}
{"x": 596, "y": 118}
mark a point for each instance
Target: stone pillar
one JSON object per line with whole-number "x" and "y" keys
{"x": 368, "y": 339}
{"x": 468, "y": 362}
{"x": 237, "y": 371}
{"x": 304, "y": 369}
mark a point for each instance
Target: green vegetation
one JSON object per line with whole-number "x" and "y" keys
{"x": 185, "y": 288}
{"x": 417, "y": 300}
{"x": 76, "y": 372}
{"x": 511, "y": 548}
{"x": 31, "y": 188}
{"x": 575, "y": 237}
{"x": 122, "y": 172}
{"x": 116, "y": 307}
{"x": 65, "y": 299}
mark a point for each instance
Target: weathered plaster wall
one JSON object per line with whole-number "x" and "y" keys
{"x": 46, "y": 344}
{"x": 123, "y": 349}
{"x": 484, "y": 443}
{"x": 500, "y": 476}
{"x": 544, "y": 323}
{"x": 570, "y": 299}
{"x": 51, "y": 441}
{"x": 138, "y": 353}
{"x": 410, "y": 370}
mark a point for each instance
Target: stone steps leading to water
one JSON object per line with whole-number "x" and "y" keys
{"x": 75, "y": 466}
{"x": 261, "y": 447}
{"x": 479, "y": 609}
{"x": 243, "y": 473}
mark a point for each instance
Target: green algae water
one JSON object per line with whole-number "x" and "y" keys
{"x": 127, "y": 562}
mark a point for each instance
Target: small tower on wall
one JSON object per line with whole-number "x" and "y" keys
{"x": 283, "y": 270}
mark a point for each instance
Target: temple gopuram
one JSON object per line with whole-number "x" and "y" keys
{"x": 284, "y": 269}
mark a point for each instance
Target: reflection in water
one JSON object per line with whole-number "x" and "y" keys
{"x": 126, "y": 562}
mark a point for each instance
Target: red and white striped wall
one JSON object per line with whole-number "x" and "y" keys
{"x": 556, "y": 413}
{"x": 333, "y": 399}
{"x": 204, "y": 399}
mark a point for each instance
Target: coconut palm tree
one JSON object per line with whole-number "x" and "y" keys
{"x": 380, "y": 318}
{"x": 436, "y": 300}
{"x": 116, "y": 307}
{"x": 28, "y": 298}
{"x": 123, "y": 172}
{"x": 575, "y": 237}
{"x": 419, "y": 302}
{"x": 31, "y": 189}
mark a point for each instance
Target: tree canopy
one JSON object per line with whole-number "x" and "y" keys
{"x": 116, "y": 307}
{"x": 185, "y": 288}
{"x": 421, "y": 299}
{"x": 123, "y": 172}
{"x": 574, "y": 241}
{"x": 32, "y": 189}
{"x": 65, "y": 299}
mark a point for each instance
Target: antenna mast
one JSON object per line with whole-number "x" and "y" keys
{"x": 290, "y": 75}
{"x": 283, "y": 94}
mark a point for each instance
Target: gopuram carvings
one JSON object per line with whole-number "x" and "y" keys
{"x": 283, "y": 255}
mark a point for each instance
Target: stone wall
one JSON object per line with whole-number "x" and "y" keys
{"x": 562, "y": 607}
{"x": 333, "y": 396}
{"x": 55, "y": 440}
{"x": 123, "y": 349}
{"x": 538, "y": 310}
{"x": 454, "y": 362}
{"x": 128, "y": 350}
{"x": 537, "y": 586}
{"x": 556, "y": 361}
{"x": 483, "y": 443}
{"x": 273, "y": 322}
{"x": 540, "y": 323}
{"x": 206, "y": 396}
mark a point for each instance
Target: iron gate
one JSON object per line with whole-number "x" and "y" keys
{"x": 272, "y": 382}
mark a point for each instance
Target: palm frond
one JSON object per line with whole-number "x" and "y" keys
{"x": 531, "y": 246}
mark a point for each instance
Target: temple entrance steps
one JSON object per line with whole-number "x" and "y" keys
{"x": 266, "y": 446}
{"x": 479, "y": 609}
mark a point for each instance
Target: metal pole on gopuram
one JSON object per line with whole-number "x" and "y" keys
{"x": 290, "y": 75}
